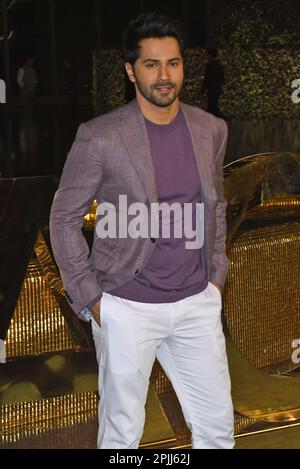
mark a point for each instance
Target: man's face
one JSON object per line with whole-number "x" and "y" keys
{"x": 158, "y": 72}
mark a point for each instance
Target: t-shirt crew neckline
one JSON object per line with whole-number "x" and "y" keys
{"x": 166, "y": 126}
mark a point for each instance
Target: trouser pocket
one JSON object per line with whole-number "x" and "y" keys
{"x": 98, "y": 333}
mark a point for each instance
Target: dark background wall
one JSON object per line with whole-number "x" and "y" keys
{"x": 53, "y": 30}
{"x": 259, "y": 44}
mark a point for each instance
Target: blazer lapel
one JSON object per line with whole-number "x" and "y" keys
{"x": 200, "y": 141}
{"x": 135, "y": 137}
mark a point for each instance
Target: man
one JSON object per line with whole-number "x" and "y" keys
{"x": 213, "y": 82}
{"x": 150, "y": 296}
{"x": 69, "y": 82}
{"x": 27, "y": 80}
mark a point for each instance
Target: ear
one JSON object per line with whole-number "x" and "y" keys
{"x": 130, "y": 72}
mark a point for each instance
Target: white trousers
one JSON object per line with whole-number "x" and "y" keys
{"x": 187, "y": 338}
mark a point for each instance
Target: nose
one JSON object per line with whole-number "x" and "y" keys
{"x": 164, "y": 73}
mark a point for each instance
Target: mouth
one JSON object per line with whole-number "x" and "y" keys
{"x": 164, "y": 88}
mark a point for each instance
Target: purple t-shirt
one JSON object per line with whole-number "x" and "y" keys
{"x": 173, "y": 272}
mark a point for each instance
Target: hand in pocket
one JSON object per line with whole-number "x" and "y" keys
{"x": 96, "y": 312}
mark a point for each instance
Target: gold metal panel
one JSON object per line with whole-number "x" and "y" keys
{"x": 261, "y": 297}
{"x": 281, "y": 207}
{"x": 79, "y": 330}
{"x": 26, "y": 419}
{"x": 256, "y": 179}
{"x": 37, "y": 325}
{"x": 90, "y": 218}
{"x": 261, "y": 303}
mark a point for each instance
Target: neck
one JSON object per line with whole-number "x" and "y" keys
{"x": 156, "y": 114}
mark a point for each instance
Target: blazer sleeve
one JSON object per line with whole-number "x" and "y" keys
{"x": 220, "y": 260}
{"x": 80, "y": 181}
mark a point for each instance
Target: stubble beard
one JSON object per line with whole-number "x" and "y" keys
{"x": 161, "y": 101}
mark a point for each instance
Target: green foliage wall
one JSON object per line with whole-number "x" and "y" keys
{"x": 254, "y": 23}
{"x": 258, "y": 82}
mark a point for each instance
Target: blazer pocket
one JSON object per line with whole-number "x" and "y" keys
{"x": 104, "y": 253}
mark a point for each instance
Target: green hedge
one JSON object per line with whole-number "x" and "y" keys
{"x": 254, "y": 23}
{"x": 258, "y": 82}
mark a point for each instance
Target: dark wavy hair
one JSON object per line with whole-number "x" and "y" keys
{"x": 149, "y": 25}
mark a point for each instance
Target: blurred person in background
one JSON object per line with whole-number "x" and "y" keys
{"x": 213, "y": 82}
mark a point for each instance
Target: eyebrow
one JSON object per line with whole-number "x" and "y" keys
{"x": 156, "y": 60}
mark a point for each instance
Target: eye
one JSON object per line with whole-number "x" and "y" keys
{"x": 174, "y": 64}
{"x": 151, "y": 65}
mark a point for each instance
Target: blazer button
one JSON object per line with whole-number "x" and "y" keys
{"x": 153, "y": 240}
